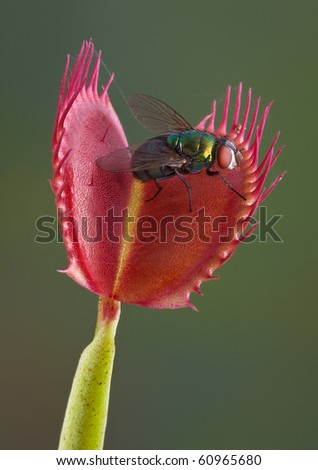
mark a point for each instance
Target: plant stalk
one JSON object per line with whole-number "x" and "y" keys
{"x": 87, "y": 408}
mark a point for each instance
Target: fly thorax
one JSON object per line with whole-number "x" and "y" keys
{"x": 197, "y": 166}
{"x": 205, "y": 150}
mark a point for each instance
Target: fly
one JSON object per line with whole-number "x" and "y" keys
{"x": 177, "y": 150}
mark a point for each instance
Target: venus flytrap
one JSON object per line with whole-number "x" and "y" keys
{"x": 129, "y": 268}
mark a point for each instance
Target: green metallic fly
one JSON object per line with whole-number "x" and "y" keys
{"x": 179, "y": 149}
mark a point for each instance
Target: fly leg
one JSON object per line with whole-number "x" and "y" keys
{"x": 212, "y": 173}
{"x": 188, "y": 188}
{"x": 157, "y": 193}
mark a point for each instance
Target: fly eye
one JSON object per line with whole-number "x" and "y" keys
{"x": 225, "y": 157}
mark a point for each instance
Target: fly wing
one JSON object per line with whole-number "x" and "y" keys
{"x": 156, "y": 116}
{"x": 151, "y": 154}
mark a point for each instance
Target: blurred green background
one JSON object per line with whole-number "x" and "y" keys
{"x": 241, "y": 373}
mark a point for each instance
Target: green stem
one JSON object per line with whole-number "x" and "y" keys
{"x": 86, "y": 413}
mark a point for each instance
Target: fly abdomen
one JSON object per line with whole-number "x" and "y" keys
{"x": 160, "y": 173}
{"x": 157, "y": 171}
